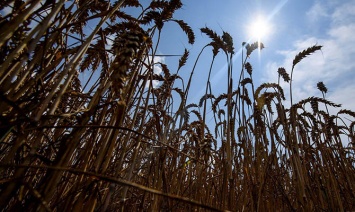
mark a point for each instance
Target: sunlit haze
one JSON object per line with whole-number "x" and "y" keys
{"x": 259, "y": 29}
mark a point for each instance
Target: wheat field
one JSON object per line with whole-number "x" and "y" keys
{"x": 84, "y": 128}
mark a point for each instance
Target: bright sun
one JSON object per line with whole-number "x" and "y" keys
{"x": 259, "y": 29}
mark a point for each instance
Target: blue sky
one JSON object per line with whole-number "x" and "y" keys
{"x": 295, "y": 25}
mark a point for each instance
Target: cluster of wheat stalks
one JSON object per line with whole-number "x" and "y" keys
{"x": 113, "y": 141}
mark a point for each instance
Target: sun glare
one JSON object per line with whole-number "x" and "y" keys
{"x": 259, "y": 29}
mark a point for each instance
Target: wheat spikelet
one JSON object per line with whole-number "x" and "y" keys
{"x": 246, "y": 93}
{"x": 314, "y": 106}
{"x": 304, "y": 54}
{"x": 122, "y": 15}
{"x": 221, "y": 112}
{"x": 183, "y": 59}
{"x": 270, "y": 85}
{"x": 249, "y": 68}
{"x": 157, "y": 4}
{"x": 324, "y": 114}
{"x": 204, "y": 97}
{"x": 191, "y": 105}
{"x": 265, "y": 99}
{"x": 180, "y": 92}
{"x": 321, "y": 87}
{"x": 213, "y": 35}
{"x": 330, "y": 127}
{"x": 304, "y": 123}
{"x": 316, "y": 99}
{"x": 198, "y": 115}
{"x": 246, "y": 81}
{"x": 251, "y": 47}
{"x": 228, "y": 40}
{"x": 349, "y": 112}
{"x": 126, "y": 46}
{"x": 217, "y": 42}
{"x": 282, "y": 72}
{"x": 157, "y": 77}
{"x": 237, "y": 91}
{"x": 217, "y": 100}
{"x": 167, "y": 9}
{"x": 197, "y": 125}
{"x": 187, "y": 29}
{"x": 225, "y": 42}
{"x": 268, "y": 100}
{"x": 149, "y": 17}
{"x": 185, "y": 114}
{"x": 165, "y": 70}
{"x": 131, "y": 3}
{"x": 171, "y": 7}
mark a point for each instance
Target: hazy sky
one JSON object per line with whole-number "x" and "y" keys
{"x": 294, "y": 26}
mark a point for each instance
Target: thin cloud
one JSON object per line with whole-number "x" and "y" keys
{"x": 334, "y": 65}
{"x": 317, "y": 12}
{"x": 345, "y": 13}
